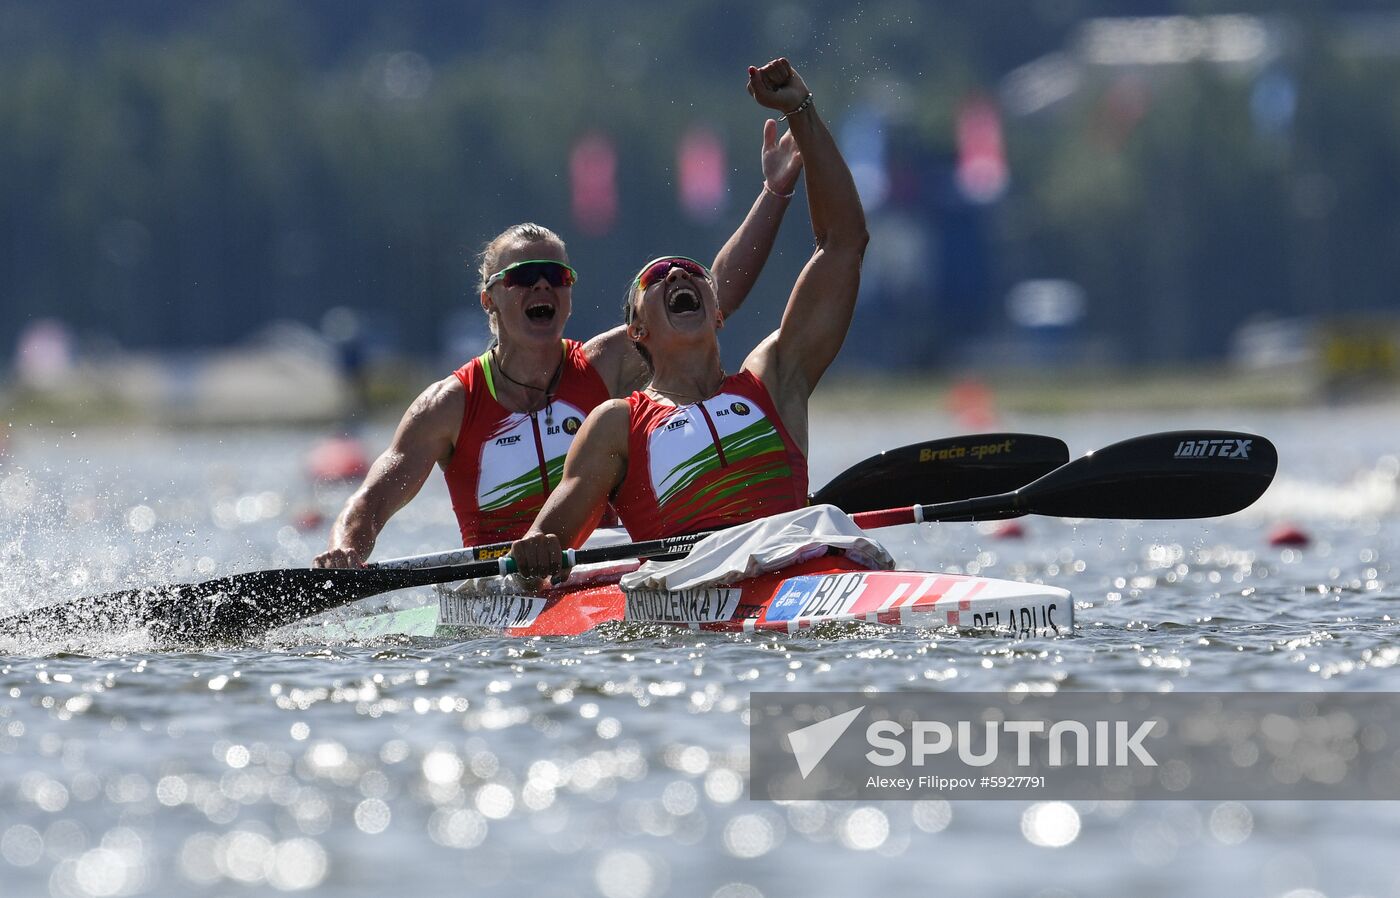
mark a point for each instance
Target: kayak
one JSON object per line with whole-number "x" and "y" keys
{"x": 828, "y": 589}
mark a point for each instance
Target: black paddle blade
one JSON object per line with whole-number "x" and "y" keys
{"x": 227, "y": 608}
{"x": 944, "y": 471}
{"x": 1180, "y": 474}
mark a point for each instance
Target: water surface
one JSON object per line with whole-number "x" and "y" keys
{"x": 615, "y": 763}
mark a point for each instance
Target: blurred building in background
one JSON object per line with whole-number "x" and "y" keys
{"x": 1071, "y": 185}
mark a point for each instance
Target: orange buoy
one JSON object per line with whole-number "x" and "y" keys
{"x": 1009, "y": 530}
{"x": 337, "y": 459}
{"x": 308, "y": 519}
{"x": 972, "y": 404}
{"x": 1288, "y": 535}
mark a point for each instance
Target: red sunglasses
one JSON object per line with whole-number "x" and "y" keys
{"x": 657, "y": 269}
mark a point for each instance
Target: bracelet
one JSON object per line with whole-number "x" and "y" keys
{"x": 801, "y": 107}
{"x": 781, "y": 196}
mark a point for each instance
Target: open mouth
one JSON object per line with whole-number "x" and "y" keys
{"x": 540, "y": 311}
{"x": 683, "y": 299}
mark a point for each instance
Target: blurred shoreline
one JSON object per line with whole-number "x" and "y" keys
{"x": 256, "y": 391}
{"x": 1088, "y": 390}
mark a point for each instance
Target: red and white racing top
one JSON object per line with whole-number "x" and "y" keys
{"x": 505, "y": 463}
{"x": 713, "y": 463}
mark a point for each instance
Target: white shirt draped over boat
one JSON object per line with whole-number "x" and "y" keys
{"x": 768, "y": 544}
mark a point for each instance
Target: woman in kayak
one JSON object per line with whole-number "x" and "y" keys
{"x": 500, "y": 425}
{"x": 699, "y": 449}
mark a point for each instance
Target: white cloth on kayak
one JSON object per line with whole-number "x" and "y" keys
{"x": 768, "y": 544}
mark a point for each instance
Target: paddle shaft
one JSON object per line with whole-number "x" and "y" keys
{"x": 438, "y": 559}
{"x": 985, "y": 508}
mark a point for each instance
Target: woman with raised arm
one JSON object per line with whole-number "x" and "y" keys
{"x": 699, "y": 448}
{"x": 500, "y": 425}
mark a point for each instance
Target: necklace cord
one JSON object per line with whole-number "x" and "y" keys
{"x": 668, "y": 394}
{"x": 548, "y": 391}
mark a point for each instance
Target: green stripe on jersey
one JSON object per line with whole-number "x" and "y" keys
{"x": 754, "y": 440}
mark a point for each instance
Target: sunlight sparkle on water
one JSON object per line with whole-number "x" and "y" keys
{"x": 1051, "y": 824}
{"x": 618, "y": 759}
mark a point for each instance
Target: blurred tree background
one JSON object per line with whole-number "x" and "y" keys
{"x": 1050, "y": 181}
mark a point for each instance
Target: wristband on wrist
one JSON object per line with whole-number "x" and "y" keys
{"x": 781, "y": 196}
{"x": 801, "y": 107}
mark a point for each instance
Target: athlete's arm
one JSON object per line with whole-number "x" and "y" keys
{"x": 739, "y": 261}
{"x": 617, "y": 362}
{"x": 735, "y": 269}
{"x": 819, "y": 311}
{"x": 595, "y": 465}
{"x": 424, "y": 438}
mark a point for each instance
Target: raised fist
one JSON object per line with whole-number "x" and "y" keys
{"x": 777, "y": 86}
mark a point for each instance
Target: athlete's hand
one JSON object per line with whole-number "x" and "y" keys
{"x": 338, "y": 558}
{"x": 782, "y": 160}
{"x": 538, "y": 555}
{"x": 777, "y": 86}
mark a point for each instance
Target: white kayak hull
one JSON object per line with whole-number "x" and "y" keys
{"x": 823, "y": 591}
